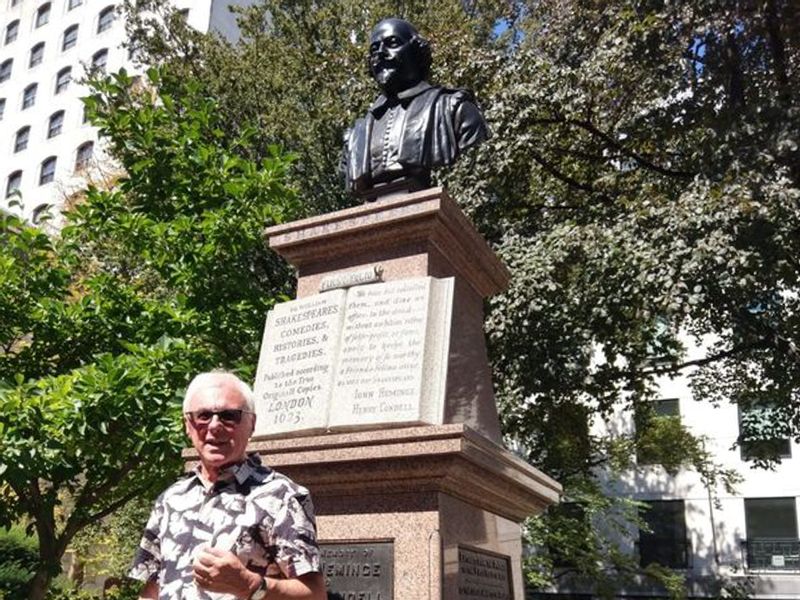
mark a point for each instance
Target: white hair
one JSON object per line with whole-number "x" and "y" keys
{"x": 217, "y": 379}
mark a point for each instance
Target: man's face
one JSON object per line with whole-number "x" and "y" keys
{"x": 392, "y": 57}
{"x": 219, "y": 441}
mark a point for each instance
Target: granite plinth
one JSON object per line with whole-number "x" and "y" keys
{"x": 428, "y": 490}
{"x": 419, "y": 234}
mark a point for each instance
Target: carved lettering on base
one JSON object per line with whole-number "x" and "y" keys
{"x": 358, "y": 570}
{"x": 483, "y": 575}
{"x": 371, "y": 354}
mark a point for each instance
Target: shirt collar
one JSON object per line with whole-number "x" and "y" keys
{"x": 381, "y": 101}
{"x": 241, "y": 472}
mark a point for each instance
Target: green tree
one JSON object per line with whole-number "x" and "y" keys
{"x": 160, "y": 275}
{"x": 644, "y": 192}
{"x": 641, "y": 184}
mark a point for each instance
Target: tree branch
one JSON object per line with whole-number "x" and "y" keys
{"x": 561, "y": 176}
{"x": 700, "y": 362}
{"x": 641, "y": 160}
{"x": 74, "y": 526}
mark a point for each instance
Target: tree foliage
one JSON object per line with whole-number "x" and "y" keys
{"x": 641, "y": 184}
{"x": 18, "y": 557}
{"x": 159, "y": 275}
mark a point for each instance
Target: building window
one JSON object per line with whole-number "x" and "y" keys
{"x": 40, "y": 213}
{"x": 84, "y": 155}
{"x": 63, "y": 79}
{"x": 762, "y": 432}
{"x": 106, "y": 19}
{"x": 74, "y": 4}
{"x": 48, "y": 171}
{"x": 43, "y": 15}
{"x": 100, "y": 60}
{"x": 37, "y": 54}
{"x": 29, "y": 96}
{"x": 55, "y": 124}
{"x": 5, "y": 69}
{"x": 21, "y": 139}
{"x": 2, "y": 108}
{"x": 13, "y": 183}
{"x": 666, "y": 543}
{"x": 667, "y": 407}
{"x": 70, "y": 37}
{"x": 655, "y": 421}
{"x": 12, "y": 31}
{"x": 772, "y": 540}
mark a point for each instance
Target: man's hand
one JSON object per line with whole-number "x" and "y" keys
{"x": 221, "y": 571}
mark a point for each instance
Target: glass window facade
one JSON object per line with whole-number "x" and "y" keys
{"x": 12, "y": 31}
{"x": 84, "y": 155}
{"x": 29, "y": 96}
{"x": 5, "y": 69}
{"x": 21, "y": 139}
{"x": 70, "y": 37}
{"x": 37, "y": 55}
{"x": 55, "y": 124}
{"x": 48, "y": 171}
{"x": 100, "y": 60}
{"x": 106, "y": 19}
{"x": 63, "y": 79}
{"x": 666, "y": 543}
{"x": 763, "y": 432}
{"x": 43, "y": 15}
{"x": 772, "y": 538}
{"x": 13, "y": 182}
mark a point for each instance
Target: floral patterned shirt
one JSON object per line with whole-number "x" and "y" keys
{"x": 258, "y": 514}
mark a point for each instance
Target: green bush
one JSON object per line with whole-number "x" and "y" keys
{"x": 18, "y": 557}
{"x": 62, "y": 589}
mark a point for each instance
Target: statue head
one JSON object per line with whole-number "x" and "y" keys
{"x": 399, "y": 58}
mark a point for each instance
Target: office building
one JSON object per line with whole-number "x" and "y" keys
{"x": 47, "y": 149}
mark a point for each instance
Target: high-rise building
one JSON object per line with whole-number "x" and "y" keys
{"x": 47, "y": 149}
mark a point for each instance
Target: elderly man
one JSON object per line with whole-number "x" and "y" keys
{"x": 413, "y": 125}
{"x": 233, "y": 528}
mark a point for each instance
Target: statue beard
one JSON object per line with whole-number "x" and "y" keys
{"x": 385, "y": 72}
{"x": 393, "y": 76}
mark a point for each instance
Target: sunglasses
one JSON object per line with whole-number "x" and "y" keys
{"x": 228, "y": 417}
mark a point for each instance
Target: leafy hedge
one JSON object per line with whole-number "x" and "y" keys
{"x": 18, "y": 557}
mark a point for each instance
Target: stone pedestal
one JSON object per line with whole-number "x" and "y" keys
{"x": 412, "y": 512}
{"x": 427, "y": 491}
{"x": 417, "y": 235}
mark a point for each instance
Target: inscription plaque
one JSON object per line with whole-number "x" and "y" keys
{"x": 383, "y": 372}
{"x": 351, "y": 278}
{"x": 483, "y": 575}
{"x": 296, "y": 366}
{"x": 358, "y": 570}
{"x": 367, "y": 355}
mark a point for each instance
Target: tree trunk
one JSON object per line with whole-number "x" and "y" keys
{"x": 40, "y": 583}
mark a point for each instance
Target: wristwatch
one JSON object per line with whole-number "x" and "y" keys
{"x": 261, "y": 590}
